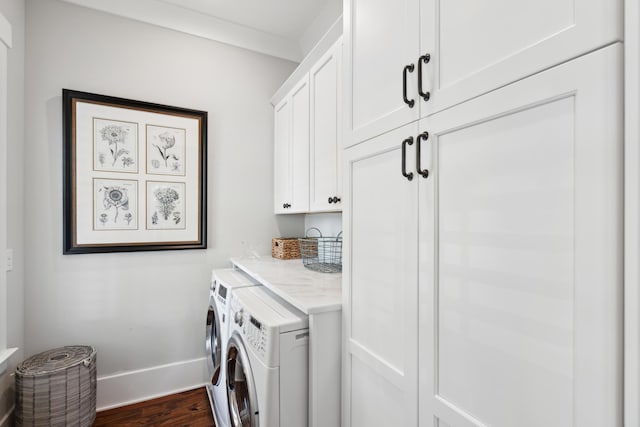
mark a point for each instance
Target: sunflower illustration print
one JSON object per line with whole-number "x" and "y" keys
{"x": 115, "y": 145}
{"x": 114, "y": 204}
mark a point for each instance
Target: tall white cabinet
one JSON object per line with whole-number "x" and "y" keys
{"x": 521, "y": 253}
{"x": 483, "y": 226}
{"x": 380, "y": 265}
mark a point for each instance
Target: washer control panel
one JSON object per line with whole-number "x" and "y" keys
{"x": 256, "y": 335}
{"x": 253, "y": 331}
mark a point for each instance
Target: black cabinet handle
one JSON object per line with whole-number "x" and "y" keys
{"x": 286, "y": 205}
{"x": 424, "y": 172}
{"x": 335, "y": 199}
{"x": 408, "y": 141}
{"x": 424, "y": 58}
{"x": 408, "y": 68}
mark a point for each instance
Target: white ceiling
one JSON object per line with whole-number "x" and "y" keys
{"x": 286, "y": 18}
{"x": 283, "y": 28}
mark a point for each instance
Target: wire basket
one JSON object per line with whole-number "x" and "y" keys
{"x": 323, "y": 254}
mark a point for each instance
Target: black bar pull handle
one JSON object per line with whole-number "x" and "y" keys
{"x": 422, "y": 137}
{"x": 408, "y": 68}
{"x": 408, "y": 141}
{"x": 424, "y": 58}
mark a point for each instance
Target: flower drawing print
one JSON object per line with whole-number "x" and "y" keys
{"x": 165, "y": 150}
{"x": 115, "y": 145}
{"x": 165, "y": 205}
{"x": 115, "y": 204}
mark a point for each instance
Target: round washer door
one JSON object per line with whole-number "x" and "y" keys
{"x": 241, "y": 391}
{"x": 213, "y": 342}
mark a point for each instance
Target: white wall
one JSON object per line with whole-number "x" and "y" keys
{"x": 329, "y": 224}
{"x": 145, "y": 311}
{"x": 14, "y": 11}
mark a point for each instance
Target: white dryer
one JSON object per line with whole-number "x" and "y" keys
{"x": 267, "y": 361}
{"x": 223, "y": 282}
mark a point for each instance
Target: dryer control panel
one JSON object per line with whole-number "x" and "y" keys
{"x": 221, "y": 293}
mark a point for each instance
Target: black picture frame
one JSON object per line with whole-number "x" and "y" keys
{"x": 123, "y": 159}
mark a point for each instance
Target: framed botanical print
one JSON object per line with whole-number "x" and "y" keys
{"x": 134, "y": 175}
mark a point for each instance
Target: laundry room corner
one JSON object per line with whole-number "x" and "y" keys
{"x": 143, "y": 311}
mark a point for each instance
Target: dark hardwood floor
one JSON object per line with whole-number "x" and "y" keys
{"x": 186, "y": 409}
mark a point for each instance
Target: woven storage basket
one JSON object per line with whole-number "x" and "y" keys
{"x": 57, "y": 388}
{"x": 285, "y": 248}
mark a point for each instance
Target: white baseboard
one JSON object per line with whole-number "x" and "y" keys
{"x": 144, "y": 384}
{"x": 6, "y": 420}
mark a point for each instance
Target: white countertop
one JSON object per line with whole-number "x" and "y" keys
{"x": 309, "y": 291}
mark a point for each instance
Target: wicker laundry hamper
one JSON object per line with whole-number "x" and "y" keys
{"x": 57, "y": 388}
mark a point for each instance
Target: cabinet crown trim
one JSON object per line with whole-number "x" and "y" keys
{"x": 330, "y": 37}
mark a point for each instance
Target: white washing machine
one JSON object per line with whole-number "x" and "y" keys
{"x": 267, "y": 361}
{"x": 223, "y": 282}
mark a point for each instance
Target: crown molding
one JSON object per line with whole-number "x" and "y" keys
{"x": 170, "y": 16}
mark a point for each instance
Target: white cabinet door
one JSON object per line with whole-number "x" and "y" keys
{"x": 282, "y": 153}
{"x": 300, "y": 147}
{"x": 381, "y": 38}
{"x": 325, "y": 191}
{"x": 479, "y": 46}
{"x": 380, "y": 278}
{"x": 521, "y": 253}
{"x": 291, "y": 151}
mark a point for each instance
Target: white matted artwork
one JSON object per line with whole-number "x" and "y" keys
{"x": 165, "y": 205}
{"x": 166, "y": 150}
{"x": 115, "y": 145}
{"x": 115, "y": 200}
{"x": 115, "y": 204}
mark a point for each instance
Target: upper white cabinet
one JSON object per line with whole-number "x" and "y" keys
{"x": 308, "y": 139}
{"x": 291, "y": 151}
{"x": 381, "y": 41}
{"x": 282, "y": 148}
{"x": 325, "y": 191}
{"x": 407, "y": 59}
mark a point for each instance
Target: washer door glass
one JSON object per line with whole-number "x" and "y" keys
{"x": 241, "y": 392}
{"x": 213, "y": 342}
